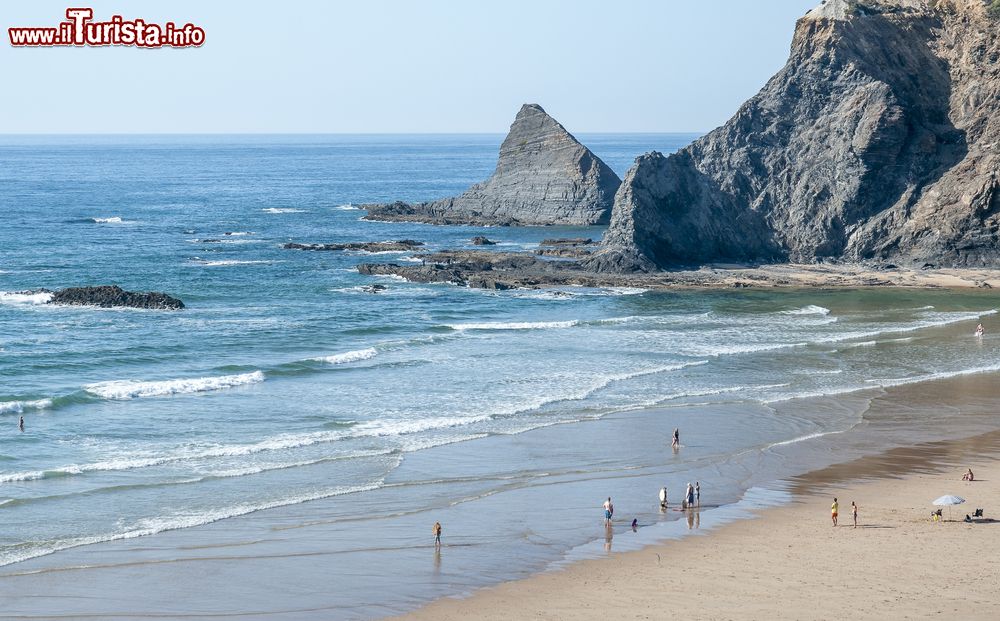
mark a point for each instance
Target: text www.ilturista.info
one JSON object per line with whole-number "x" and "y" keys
{"x": 79, "y": 29}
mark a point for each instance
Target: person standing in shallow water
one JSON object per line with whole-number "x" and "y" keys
{"x": 676, "y": 443}
{"x": 437, "y": 534}
{"x": 609, "y": 510}
{"x": 697, "y": 493}
{"x": 20, "y": 423}
{"x": 833, "y": 511}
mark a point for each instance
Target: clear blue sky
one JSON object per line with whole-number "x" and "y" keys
{"x": 401, "y": 66}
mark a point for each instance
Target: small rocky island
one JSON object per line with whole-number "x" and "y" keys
{"x": 112, "y": 296}
{"x": 544, "y": 176}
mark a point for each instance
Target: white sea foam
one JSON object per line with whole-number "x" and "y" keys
{"x": 810, "y": 436}
{"x": 238, "y": 233}
{"x": 282, "y": 210}
{"x": 350, "y": 356}
{"x": 811, "y": 309}
{"x": 14, "y": 297}
{"x": 347, "y": 207}
{"x": 228, "y": 262}
{"x": 111, "y": 220}
{"x": 131, "y": 389}
{"x": 930, "y": 377}
{"x": 16, "y": 407}
{"x": 522, "y": 325}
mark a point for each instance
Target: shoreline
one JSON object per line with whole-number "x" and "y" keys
{"x": 782, "y": 560}
{"x": 273, "y": 561}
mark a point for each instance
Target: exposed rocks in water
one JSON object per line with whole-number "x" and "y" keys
{"x": 566, "y": 241}
{"x": 375, "y": 288}
{"x": 479, "y": 240}
{"x": 878, "y": 140}
{"x": 401, "y": 245}
{"x": 113, "y": 296}
{"x": 544, "y": 176}
{"x": 210, "y": 241}
{"x": 567, "y": 248}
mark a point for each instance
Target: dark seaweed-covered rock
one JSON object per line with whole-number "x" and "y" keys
{"x": 479, "y": 240}
{"x": 113, "y": 296}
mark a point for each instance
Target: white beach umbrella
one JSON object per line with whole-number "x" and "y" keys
{"x": 947, "y": 501}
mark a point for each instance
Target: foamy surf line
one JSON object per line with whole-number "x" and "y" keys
{"x": 132, "y": 389}
{"x": 152, "y": 526}
{"x": 516, "y": 325}
{"x": 16, "y": 407}
{"x": 350, "y": 356}
{"x": 22, "y": 298}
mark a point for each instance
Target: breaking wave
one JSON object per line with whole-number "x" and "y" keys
{"x": 131, "y": 389}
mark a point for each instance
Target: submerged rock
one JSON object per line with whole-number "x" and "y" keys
{"x": 479, "y": 240}
{"x": 113, "y": 296}
{"x": 878, "y": 140}
{"x": 544, "y": 176}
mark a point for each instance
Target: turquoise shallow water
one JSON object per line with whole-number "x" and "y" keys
{"x": 286, "y": 389}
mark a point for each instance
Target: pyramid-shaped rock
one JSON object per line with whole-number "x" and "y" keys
{"x": 544, "y": 176}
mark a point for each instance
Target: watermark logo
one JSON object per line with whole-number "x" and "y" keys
{"x": 79, "y": 29}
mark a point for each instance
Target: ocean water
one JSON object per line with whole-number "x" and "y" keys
{"x": 288, "y": 393}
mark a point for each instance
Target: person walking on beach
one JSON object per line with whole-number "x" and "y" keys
{"x": 697, "y": 493}
{"x": 677, "y": 438}
{"x": 854, "y": 513}
{"x": 979, "y": 330}
{"x": 437, "y": 534}
{"x": 609, "y": 510}
{"x": 20, "y": 423}
{"x": 833, "y": 511}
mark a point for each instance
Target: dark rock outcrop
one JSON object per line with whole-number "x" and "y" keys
{"x": 566, "y": 248}
{"x": 878, "y": 140}
{"x": 401, "y": 245}
{"x": 479, "y": 240}
{"x": 113, "y": 296}
{"x": 544, "y": 176}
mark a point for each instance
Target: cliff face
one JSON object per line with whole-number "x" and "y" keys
{"x": 879, "y": 139}
{"x": 544, "y": 176}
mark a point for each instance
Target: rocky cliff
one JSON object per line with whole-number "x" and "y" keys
{"x": 878, "y": 140}
{"x": 544, "y": 176}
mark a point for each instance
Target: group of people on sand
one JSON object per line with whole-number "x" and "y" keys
{"x": 968, "y": 476}
{"x": 835, "y": 510}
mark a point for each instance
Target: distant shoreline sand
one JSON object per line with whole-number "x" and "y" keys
{"x": 790, "y": 563}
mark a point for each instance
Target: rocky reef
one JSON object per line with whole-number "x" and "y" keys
{"x": 879, "y": 140}
{"x": 401, "y": 245}
{"x": 544, "y": 176}
{"x": 113, "y": 296}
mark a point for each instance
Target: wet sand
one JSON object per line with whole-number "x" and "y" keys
{"x": 791, "y": 563}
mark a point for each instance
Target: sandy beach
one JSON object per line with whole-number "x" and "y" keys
{"x": 791, "y": 563}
